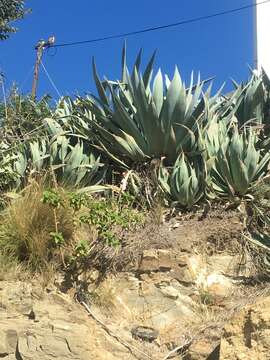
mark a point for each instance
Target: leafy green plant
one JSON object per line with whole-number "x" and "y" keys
{"x": 7, "y": 176}
{"x": 52, "y": 198}
{"x": 82, "y": 249}
{"x": 257, "y": 219}
{"x": 245, "y": 105}
{"x": 70, "y": 165}
{"x": 110, "y": 219}
{"x": 77, "y": 200}
{"x": 58, "y": 238}
{"x": 206, "y": 298}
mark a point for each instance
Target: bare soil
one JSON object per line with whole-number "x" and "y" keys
{"x": 218, "y": 232}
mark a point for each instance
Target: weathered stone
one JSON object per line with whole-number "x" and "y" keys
{"x": 196, "y": 266}
{"x": 182, "y": 275}
{"x": 11, "y": 340}
{"x": 200, "y": 350}
{"x": 3, "y": 344}
{"x": 149, "y": 261}
{"x": 247, "y": 335}
{"x": 51, "y": 326}
{"x": 28, "y": 346}
{"x": 169, "y": 292}
{"x": 144, "y": 333}
{"x": 63, "y": 331}
{"x": 218, "y": 286}
{"x": 155, "y": 260}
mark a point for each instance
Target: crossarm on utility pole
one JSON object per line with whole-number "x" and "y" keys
{"x": 41, "y": 45}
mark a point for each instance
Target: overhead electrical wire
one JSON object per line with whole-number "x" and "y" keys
{"x": 26, "y": 78}
{"x": 50, "y": 79}
{"x": 4, "y": 93}
{"x": 150, "y": 29}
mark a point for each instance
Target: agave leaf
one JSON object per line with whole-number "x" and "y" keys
{"x": 93, "y": 189}
{"x": 171, "y": 99}
{"x": 158, "y": 92}
{"x": 125, "y": 74}
{"x": 149, "y": 70}
{"x": 137, "y": 64}
{"x": 100, "y": 88}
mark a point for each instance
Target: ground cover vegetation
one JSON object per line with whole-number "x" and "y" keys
{"x": 103, "y": 161}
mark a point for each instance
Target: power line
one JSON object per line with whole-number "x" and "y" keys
{"x": 4, "y": 92}
{"x": 50, "y": 79}
{"x": 26, "y": 78}
{"x": 183, "y": 22}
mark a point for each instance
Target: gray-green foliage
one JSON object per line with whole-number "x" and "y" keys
{"x": 209, "y": 145}
{"x": 71, "y": 164}
{"x": 135, "y": 122}
{"x": 185, "y": 182}
{"x": 238, "y": 164}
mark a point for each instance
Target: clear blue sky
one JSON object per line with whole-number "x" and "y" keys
{"x": 221, "y": 47}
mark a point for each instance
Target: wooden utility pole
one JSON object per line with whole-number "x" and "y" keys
{"x": 39, "y": 48}
{"x": 41, "y": 45}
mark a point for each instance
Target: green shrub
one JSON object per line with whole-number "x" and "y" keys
{"x": 43, "y": 225}
{"x": 110, "y": 218}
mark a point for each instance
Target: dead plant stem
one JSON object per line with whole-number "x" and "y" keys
{"x": 109, "y": 332}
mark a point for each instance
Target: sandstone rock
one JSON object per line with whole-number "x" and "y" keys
{"x": 169, "y": 292}
{"x": 218, "y": 286}
{"x": 62, "y": 330}
{"x": 157, "y": 297}
{"x": 201, "y": 350}
{"x": 8, "y": 342}
{"x": 231, "y": 265}
{"x": 155, "y": 260}
{"x": 247, "y": 335}
{"x": 48, "y": 325}
{"x": 196, "y": 266}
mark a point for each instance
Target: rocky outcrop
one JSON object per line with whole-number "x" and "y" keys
{"x": 174, "y": 302}
{"x": 34, "y": 325}
{"x": 247, "y": 335}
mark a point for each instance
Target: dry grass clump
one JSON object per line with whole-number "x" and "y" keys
{"x": 10, "y": 269}
{"x": 26, "y": 227}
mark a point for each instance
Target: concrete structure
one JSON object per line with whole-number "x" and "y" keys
{"x": 262, "y": 35}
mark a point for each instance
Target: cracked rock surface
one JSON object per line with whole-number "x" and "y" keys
{"x": 34, "y": 325}
{"x": 176, "y": 297}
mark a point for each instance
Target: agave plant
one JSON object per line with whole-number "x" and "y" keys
{"x": 70, "y": 164}
{"x": 238, "y": 164}
{"x": 185, "y": 183}
{"x": 212, "y": 136}
{"x": 264, "y": 139}
{"x": 135, "y": 122}
{"x": 244, "y": 105}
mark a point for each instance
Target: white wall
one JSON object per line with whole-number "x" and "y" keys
{"x": 262, "y": 36}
